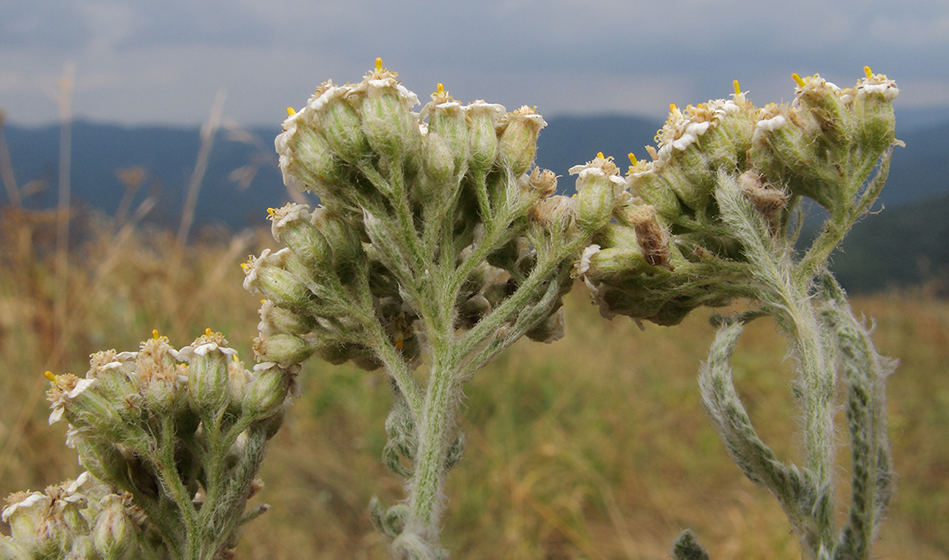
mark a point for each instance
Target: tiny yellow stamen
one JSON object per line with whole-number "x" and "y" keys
{"x": 291, "y": 111}
{"x": 798, "y": 79}
{"x": 207, "y": 332}
{"x": 599, "y": 155}
{"x": 49, "y": 375}
{"x": 270, "y": 212}
{"x": 673, "y": 108}
{"x": 379, "y": 64}
{"x": 440, "y": 89}
{"x": 244, "y": 266}
{"x": 399, "y": 344}
{"x": 737, "y": 87}
{"x": 263, "y": 301}
{"x": 155, "y": 334}
{"x": 868, "y": 71}
{"x": 632, "y": 158}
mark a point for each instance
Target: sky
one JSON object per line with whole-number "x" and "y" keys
{"x": 140, "y": 62}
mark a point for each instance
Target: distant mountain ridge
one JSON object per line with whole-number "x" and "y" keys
{"x": 919, "y": 172}
{"x": 168, "y": 155}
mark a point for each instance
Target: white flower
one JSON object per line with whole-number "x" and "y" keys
{"x": 76, "y": 484}
{"x": 250, "y": 273}
{"x": 73, "y": 437}
{"x": 768, "y": 125}
{"x": 26, "y": 503}
{"x": 286, "y": 215}
{"x": 324, "y": 98}
{"x": 66, "y": 388}
{"x": 188, "y": 353}
{"x": 888, "y": 90}
{"x": 692, "y": 132}
{"x": 588, "y": 254}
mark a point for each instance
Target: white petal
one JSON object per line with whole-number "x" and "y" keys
{"x": 585, "y": 258}
{"x": 81, "y": 386}
{"x": 57, "y": 414}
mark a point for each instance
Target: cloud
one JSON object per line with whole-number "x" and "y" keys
{"x": 142, "y": 61}
{"x": 48, "y": 26}
{"x": 208, "y": 22}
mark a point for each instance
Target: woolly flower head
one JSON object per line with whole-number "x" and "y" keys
{"x": 64, "y": 389}
{"x": 684, "y": 128}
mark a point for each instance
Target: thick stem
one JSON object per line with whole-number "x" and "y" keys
{"x": 426, "y": 500}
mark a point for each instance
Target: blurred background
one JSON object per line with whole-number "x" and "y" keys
{"x": 136, "y": 154}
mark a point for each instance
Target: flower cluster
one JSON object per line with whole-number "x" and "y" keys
{"x": 406, "y": 199}
{"x": 180, "y": 433}
{"x": 80, "y": 518}
{"x": 669, "y": 248}
{"x": 435, "y": 236}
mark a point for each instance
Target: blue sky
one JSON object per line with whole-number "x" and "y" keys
{"x": 162, "y": 62}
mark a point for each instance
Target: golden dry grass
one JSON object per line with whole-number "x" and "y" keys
{"x": 592, "y": 447}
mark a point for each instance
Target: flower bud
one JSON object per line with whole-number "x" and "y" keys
{"x": 283, "y": 349}
{"x": 307, "y": 161}
{"x": 873, "y": 110}
{"x": 439, "y": 165}
{"x": 24, "y": 515}
{"x": 694, "y": 144}
{"x": 267, "y": 391}
{"x": 238, "y": 379}
{"x": 278, "y": 320}
{"x": 292, "y": 225}
{"x": 340, "y": 125}
{"x": 614, "y": 276}
{"x": 482, "y": 135}
{"x": 823, "y": 100}
{"x": 90, "y": 410}
{"x": 118, "y": 379}
{"x": 343, "y": 239}
{"x": 158, "y": 371}
{"x": 784, "y": 150}
{"x": 596, "y": 183}
{"x": 114, "y": 532}
{"x": 541, "y": 183}
{"x": 208, "y": 358}
{"x": 266, "y": 275}
{"x": 555, "y": 213}
{"x": 449, "y": 120}
{"x": 518, "y": 139}
{"x": 390, "y": 127}
{"x": 646, "y": 182}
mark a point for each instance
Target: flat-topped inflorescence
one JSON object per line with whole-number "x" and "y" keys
{"x": 825, "y": 146}
{"x": 175, "y": 436}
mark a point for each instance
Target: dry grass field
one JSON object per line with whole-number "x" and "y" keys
{"x": 594, "y": 447}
